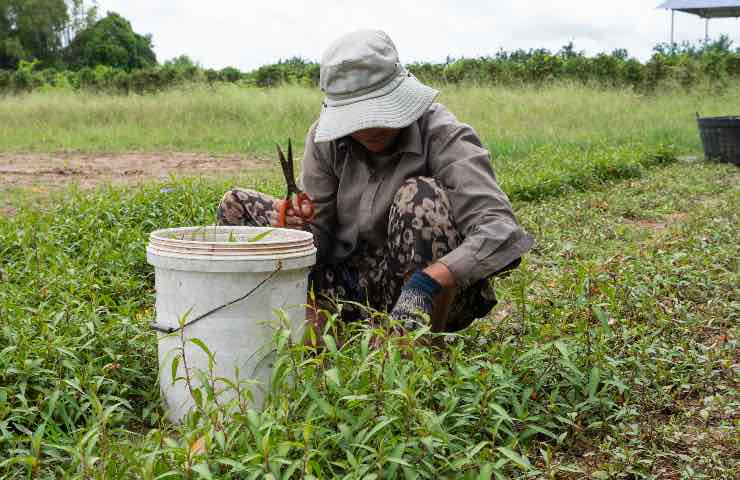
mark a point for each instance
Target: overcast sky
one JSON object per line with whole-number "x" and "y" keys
{"x": 250, "y": 33}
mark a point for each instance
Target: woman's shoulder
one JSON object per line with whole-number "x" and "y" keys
{"x": 316, "y": 151}
{"x": 438, "y": 123}
{"x": 438, "y": 114}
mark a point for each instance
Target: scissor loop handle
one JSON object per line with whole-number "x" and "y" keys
{"x": 303, "y": 200}
{"x": 282, "y": 208}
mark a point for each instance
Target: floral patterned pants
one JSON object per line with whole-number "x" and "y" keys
{"x": 421, "y": 230}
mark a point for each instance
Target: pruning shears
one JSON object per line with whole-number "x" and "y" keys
{"x": 303, "y": 201}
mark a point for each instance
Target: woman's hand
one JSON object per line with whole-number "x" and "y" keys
{"x": 439, "y": 272}
{"x": 295, "y": 215}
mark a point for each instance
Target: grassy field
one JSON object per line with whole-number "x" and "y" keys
{"x": 513, "y": 122}
{"x": 543, "y": 140}
{"x": 613, "y": 353}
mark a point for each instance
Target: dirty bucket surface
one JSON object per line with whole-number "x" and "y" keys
{"x": 199, "y": 269}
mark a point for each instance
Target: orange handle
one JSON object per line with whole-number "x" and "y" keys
{"x": 282, "y": 208}
{"x": 303, "y": 200}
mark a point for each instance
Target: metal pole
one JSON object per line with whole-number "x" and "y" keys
{"x": 706, "y": 31}
{"x": 673, "y": 21}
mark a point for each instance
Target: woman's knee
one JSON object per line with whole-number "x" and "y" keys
{"x": 421, "y": 202}
{"x": 240, "y": 206}
{"x": 421, "y": 229}
{"x": 414, "y": 191}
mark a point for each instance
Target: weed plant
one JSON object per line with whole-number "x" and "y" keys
{"x": 613, "y": 354}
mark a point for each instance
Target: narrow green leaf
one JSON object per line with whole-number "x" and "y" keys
{"x": 333, "y": 376}
{"x": 325, "y": 406}
{"x": 203, "y": 470}
{"x": 474, "y": 451}
{"x": 593, "y": 381}
{"x": 378, "y": 428}
{"x": 521, "y": 461}
{"x": 538, "y": 429}
{"x": 201, "y": 344}
{"x": 486, "y": 472}
{"x": 260, "y": 236}
{"x": 175, "y": 364}
{"x": 198, "y": 397}
{"x": 399, "y": 461}
{"x": 500, "y": 410}
{"x": 357, "y": 398}
{"x": 330, "y": 343}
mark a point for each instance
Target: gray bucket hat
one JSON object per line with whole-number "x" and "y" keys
{"x": 365, "y": 86}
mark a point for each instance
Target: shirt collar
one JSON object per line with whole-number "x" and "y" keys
{"x": 410, "y": 140}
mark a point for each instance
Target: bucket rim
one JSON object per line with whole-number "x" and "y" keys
{"x": 167, "y": 236}
{"x": 155, "y": 255}
{"x": 723, "y": 117}
{"x": 726, "y": 121}
{"x": 183, "y": 243}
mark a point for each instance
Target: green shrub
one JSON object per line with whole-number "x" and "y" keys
{"x": 111, "y": 42}
{"x": 733, "y": 64}
{"x": 24, "y": 78}
{"x": 229, "y": 74}
{"x": 6, "y": 80}
{"x": 183, "y": 69}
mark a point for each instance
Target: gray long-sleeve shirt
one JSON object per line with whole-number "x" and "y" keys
{"x": 353, "y": 190}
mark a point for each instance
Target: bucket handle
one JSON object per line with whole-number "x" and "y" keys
{"x": 165, "y": 329}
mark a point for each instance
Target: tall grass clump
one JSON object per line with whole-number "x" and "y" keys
{"x": 515, "y": 121}
{"x": 227, "y": 119}
{"x": 512, "y": 121}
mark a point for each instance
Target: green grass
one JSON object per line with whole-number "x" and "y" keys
{"x": 613, "y": 354}
{"x": 512, "y": 121}
{"x": 544, "y": 141}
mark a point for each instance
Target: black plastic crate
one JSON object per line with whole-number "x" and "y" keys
{"x": 721, "y": 138}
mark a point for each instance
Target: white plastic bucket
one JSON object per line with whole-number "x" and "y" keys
{"x": 199, "y": 269}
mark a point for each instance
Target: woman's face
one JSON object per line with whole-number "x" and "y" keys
{"x": 376, "y": 140}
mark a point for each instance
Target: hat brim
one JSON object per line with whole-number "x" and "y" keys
{"x": 399, "y": 108}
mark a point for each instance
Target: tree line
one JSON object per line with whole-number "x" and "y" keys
{"x": 63, "y": 44}
{"x": 68, "y": 34}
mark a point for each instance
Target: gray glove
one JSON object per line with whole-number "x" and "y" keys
{"x": 414, "y": 305}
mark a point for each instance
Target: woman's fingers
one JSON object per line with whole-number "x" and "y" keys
{"x": 306, "y": 209}
{"x": 295, "y": 221}
{"x": 291, "y": 219}
{"x": 295, "y": 214}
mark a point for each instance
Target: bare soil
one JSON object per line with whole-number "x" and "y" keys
{"x": 42, "y": 173}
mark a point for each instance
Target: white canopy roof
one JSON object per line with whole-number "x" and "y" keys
{"x": 705, "y": 8}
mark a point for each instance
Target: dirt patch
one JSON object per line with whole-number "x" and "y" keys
{"x": 657, "y": 226}
{"x": 650, "y": 225}
{"x": 89, "y": 170}
{"x": 43, "y": 173}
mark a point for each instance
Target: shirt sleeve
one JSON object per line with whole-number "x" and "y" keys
{"x": 320, "y": 183}
{"x": 492, "y": 238}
